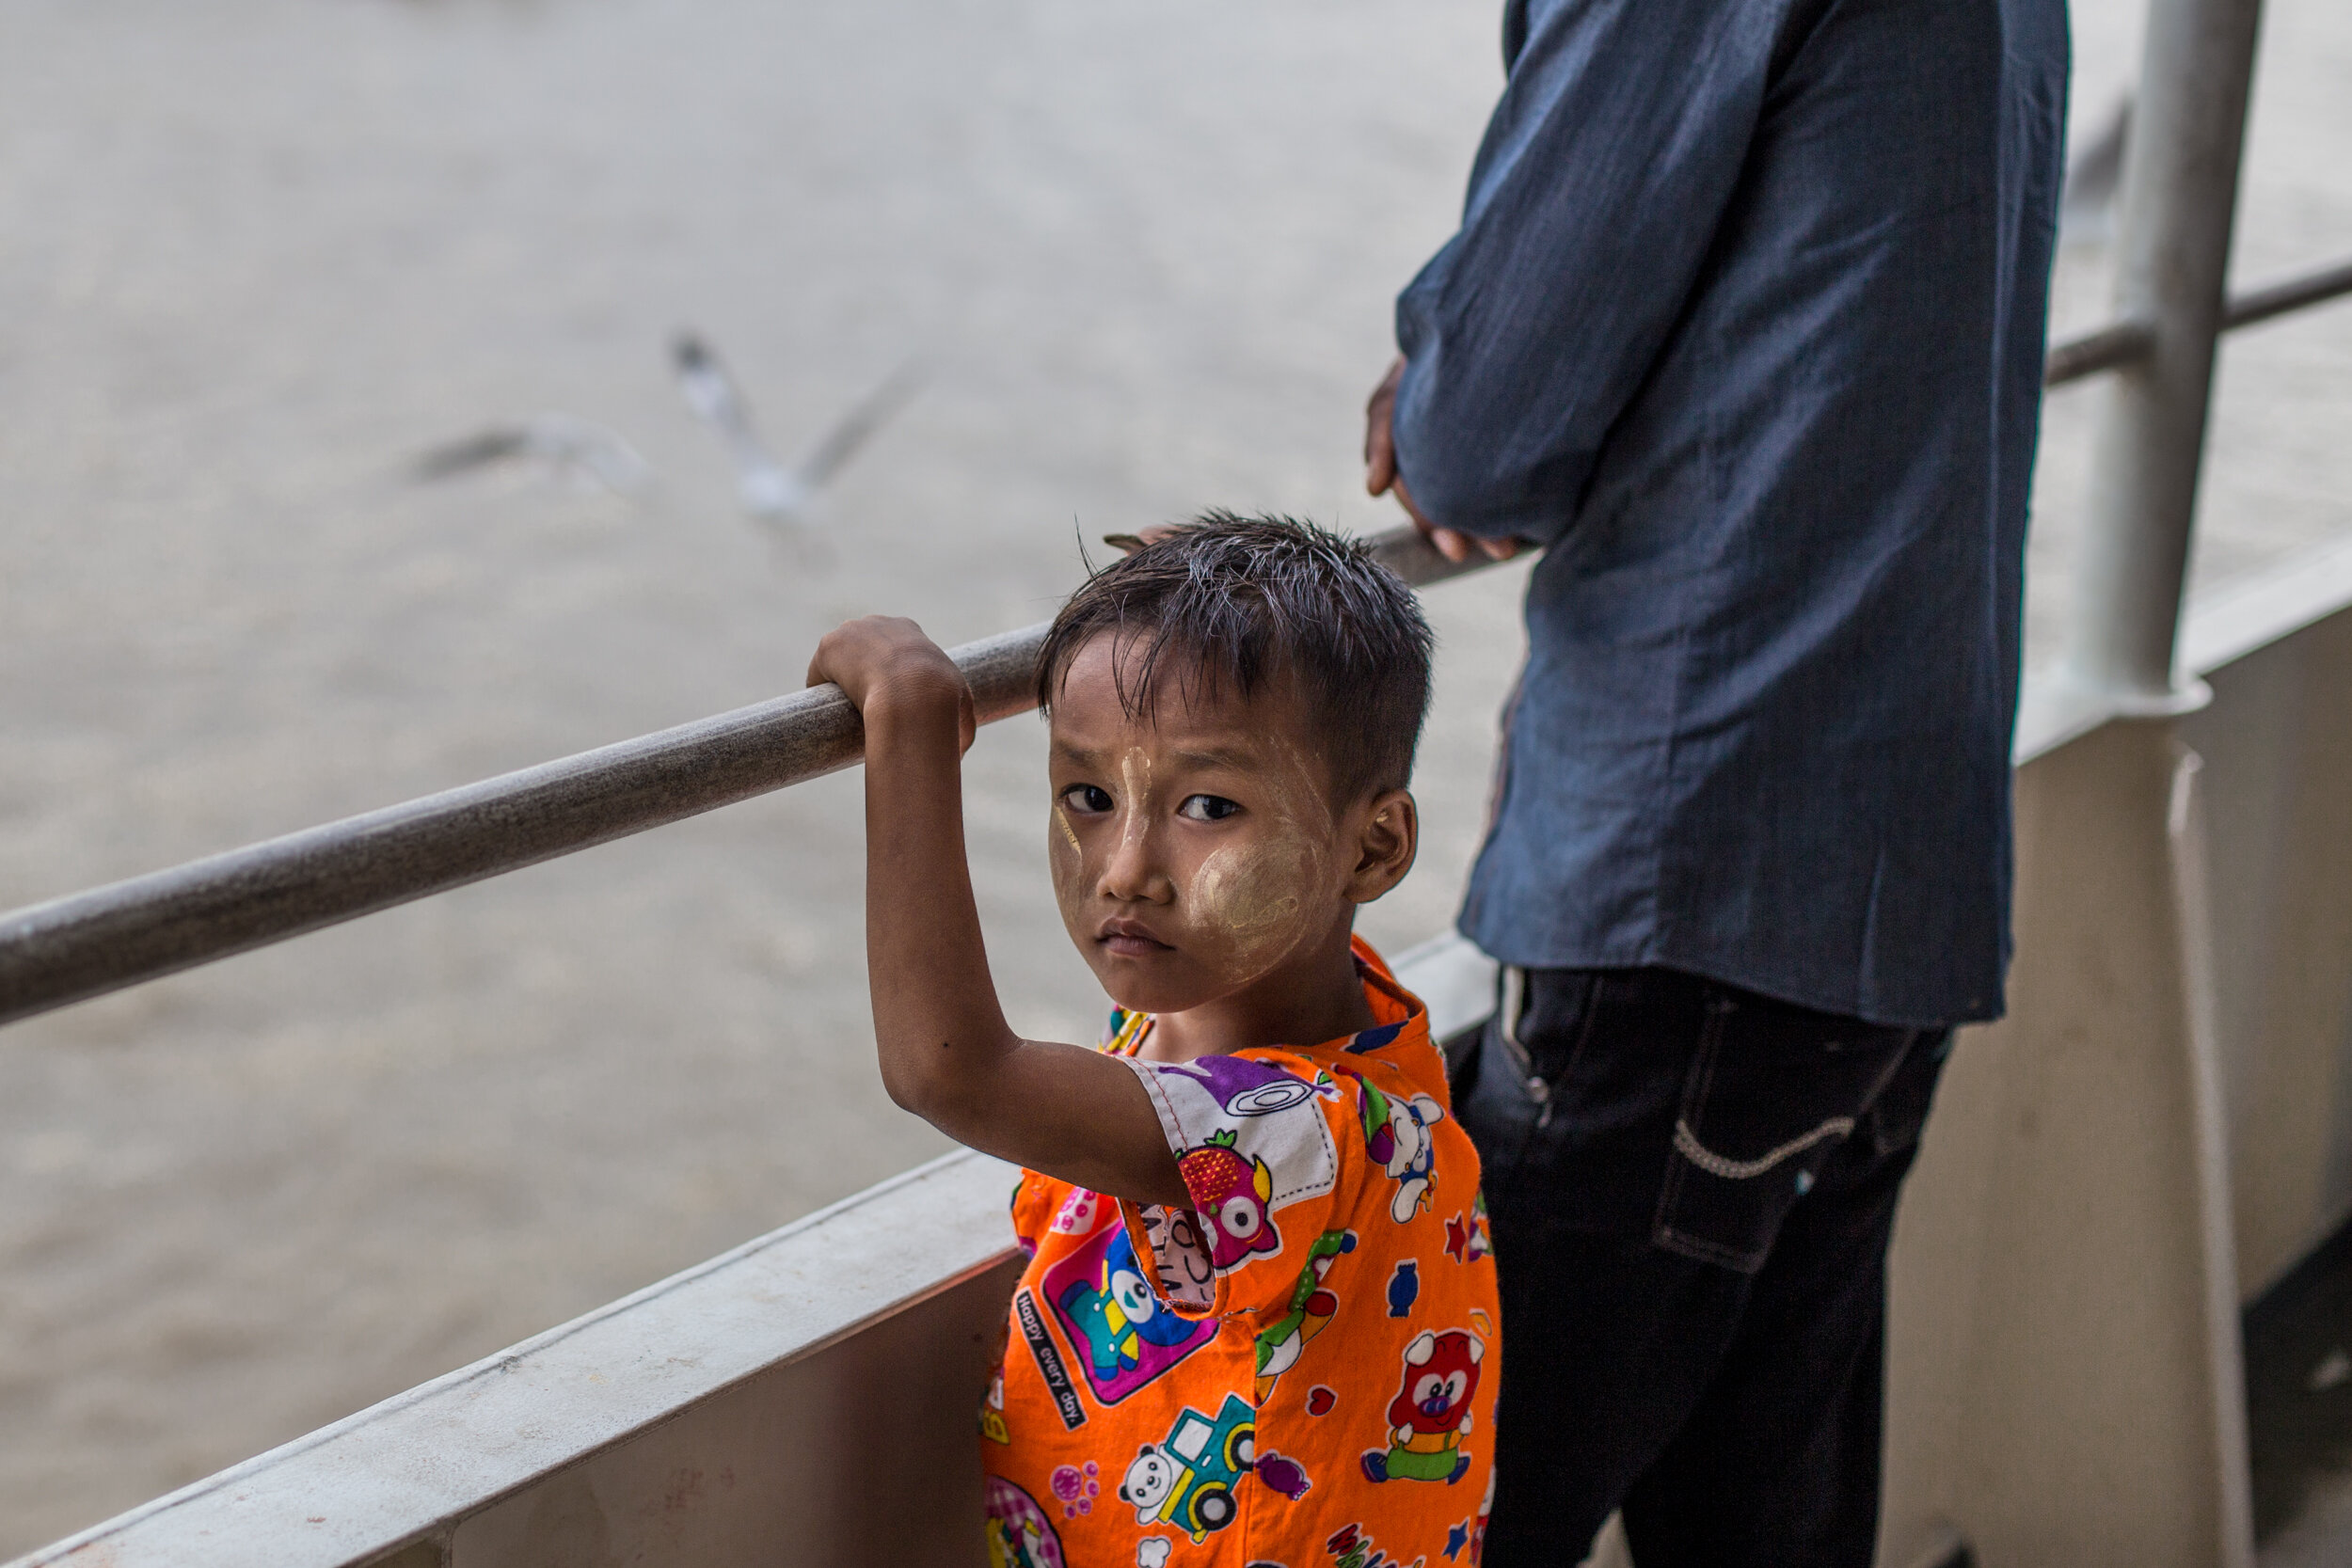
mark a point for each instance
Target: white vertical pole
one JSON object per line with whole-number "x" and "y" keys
{"x": 2179, "y": 203}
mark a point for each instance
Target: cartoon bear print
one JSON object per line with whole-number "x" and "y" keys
{"x": 1412, "y": 1160}
{"x": 1123, "y": 1281}
{"x": 1396, "y": 1135}
{"x": 1431, "y": 1411}
{"x": 1150, "y": 1478}
{"x": 1117, "y": 1313}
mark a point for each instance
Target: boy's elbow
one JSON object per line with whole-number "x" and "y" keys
{"x": 910, "y": 1089}
{"x": 928, "y": 1092}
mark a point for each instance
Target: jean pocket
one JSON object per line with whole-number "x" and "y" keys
{"x": 1771, "y": 1095}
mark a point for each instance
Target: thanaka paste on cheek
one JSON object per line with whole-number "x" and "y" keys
{"x": 1244, "y": 905}
{"x": 1246, "y": 901}
{"x": 1068, "y": 863}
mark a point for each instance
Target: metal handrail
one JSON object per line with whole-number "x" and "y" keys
{"x": 2292, "y": 293}
{"x": 2110, "y": 348}
{"x": 2128, "y": 342}
{"x": 88, "y": 943}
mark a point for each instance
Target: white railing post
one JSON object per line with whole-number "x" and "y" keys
{"x": 2179, "y": 204}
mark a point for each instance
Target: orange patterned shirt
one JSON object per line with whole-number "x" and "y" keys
{"x": 1298, "y": 1369}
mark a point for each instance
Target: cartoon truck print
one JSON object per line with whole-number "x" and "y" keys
{"x": 1188, "y": 1479}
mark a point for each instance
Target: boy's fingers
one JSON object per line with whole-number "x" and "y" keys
{"x": 879, "y": 655}
{"x": 1128, "y": 544}
{"x": 835, "y": 659}
{"x": 816, "y": 676}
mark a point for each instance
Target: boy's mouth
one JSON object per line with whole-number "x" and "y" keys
{"x": 1131, "y": 939}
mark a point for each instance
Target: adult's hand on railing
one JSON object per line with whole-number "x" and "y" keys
{"x": 1381, "y": 477}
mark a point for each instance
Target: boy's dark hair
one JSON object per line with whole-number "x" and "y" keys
{"x": 1247, "y": 601}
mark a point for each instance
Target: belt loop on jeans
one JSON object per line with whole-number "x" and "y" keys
{"x": 1512, "y": 1012}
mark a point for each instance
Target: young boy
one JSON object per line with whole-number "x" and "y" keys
{"x": 1259, "y": 1322}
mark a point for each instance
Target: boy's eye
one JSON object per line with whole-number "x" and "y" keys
{"x": 1207, "y": 808}
{"x": 1087, "y": 800}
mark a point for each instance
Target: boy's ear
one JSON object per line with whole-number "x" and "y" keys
{"x": 1387, "y": 841}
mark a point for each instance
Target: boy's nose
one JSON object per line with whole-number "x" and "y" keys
{"x": 1133, "y": 873}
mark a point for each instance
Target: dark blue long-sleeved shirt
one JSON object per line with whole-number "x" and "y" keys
{"x": 1745, "y": 324}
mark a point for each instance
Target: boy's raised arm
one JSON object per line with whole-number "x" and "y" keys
{"x": 946, "y": 1052}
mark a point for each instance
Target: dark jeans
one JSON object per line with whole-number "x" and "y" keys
{"x": 1691, "y": 1189}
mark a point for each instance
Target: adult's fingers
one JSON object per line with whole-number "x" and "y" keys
{"x": 1379, "y": 457}
{"x": 1453, "y": 543}
{"x": 1453, "y": 546}
{"x": 1412, "y": 508}
{"x": 1457, "y": 546}
{"x": 1380, "y": 431}
{"x": 1381, "y": 477}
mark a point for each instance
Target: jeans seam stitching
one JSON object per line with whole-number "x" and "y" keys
{"x": 1707, "y": 1251}
{"x": 1686, "y": 1144}
{"x": 1693, "y": 1094}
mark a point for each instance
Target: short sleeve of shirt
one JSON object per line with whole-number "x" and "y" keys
{"x": 1262, "y": 1142}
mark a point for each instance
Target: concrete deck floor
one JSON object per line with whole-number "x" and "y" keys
{"x": 263, "y": 252}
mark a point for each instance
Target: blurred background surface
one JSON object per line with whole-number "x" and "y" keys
{"x": 261, "y": 255}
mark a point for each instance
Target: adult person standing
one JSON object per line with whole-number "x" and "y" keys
{"x": 1744, "y": 327}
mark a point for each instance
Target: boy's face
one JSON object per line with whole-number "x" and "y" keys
{"x": 1197, "y": 854}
